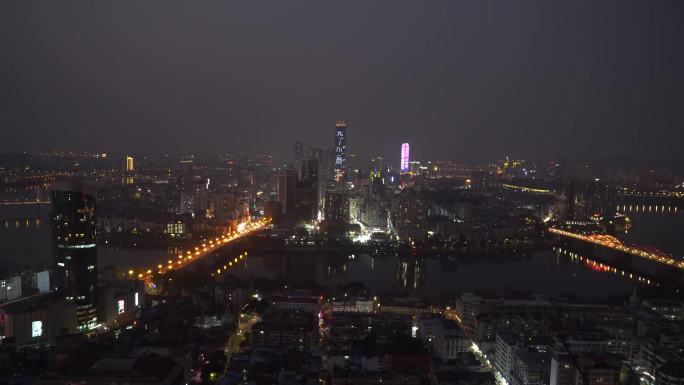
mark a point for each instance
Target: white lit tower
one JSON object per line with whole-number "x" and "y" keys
{"x": 340, "y": 150}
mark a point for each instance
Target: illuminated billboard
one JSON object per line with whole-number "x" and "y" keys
{"x": 36, "y": 329}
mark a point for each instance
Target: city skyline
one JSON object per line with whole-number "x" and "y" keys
{"x": 332, "y": 193}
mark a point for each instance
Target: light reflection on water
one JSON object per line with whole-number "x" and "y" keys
{"x": 542, "y": 272}
{"x": 546, "y": 272}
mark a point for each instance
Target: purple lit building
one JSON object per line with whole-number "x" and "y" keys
{"x": 404, "y": 167}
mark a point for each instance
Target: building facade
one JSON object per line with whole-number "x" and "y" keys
{"x": 340, "y": 150}
{"x": 74, "y": 236}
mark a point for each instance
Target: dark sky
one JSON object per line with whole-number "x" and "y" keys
{"x": 463, "y": 80}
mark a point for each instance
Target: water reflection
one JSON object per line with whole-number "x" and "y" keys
{"x": 562, "y": 255}
{"x": 410, "y": 272}
{"x": 540, "y": 272}
{"x": 654, "y": 209}
{"x": 547, "y": 272}
{"x": 27, "y": 223}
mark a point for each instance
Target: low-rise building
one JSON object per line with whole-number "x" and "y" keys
{"x": 10, "y": 288}
{"x": 36, "y": 319}
{"x": 298, "y": 301}
{"x": 530, "y": 368}
{"x": 286, "y": 330}
{"x": 100, "y": 370}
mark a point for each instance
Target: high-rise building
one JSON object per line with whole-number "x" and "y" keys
{"x": 337, "y": 207}
{"x": 377, "y": 164}
{"x": 286, "y": 190}
{"x": 227, "y": 205}
{"x": 404, "y": 166}
{"x": 194, "y": 195}
{"x": 340, "y": 150}
{"x": 74, "y": 234}
{"x": 298, "y": 157}
{"x": 310, "y": 172}
{"x": 305, "y": 203}
{"x": 298, "y": 151}
{"x": 326, "y": 162}
{"x": 129, "y": 164}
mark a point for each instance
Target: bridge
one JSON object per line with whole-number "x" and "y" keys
{"x": 534, "y": 190}
{"x": 202, "y": 250}
{"x": 611, "y": 242}
{"x": 21, "y": 203}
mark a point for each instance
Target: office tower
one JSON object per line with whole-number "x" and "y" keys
{"x": 306, "y": 202}
{"x": 377, "y": 164}
{"x": 326, "y": 162}
{"x": 129, "y": 164}
{"x": 194, "y": 195}
{"x": 227, "y": 205}
{"x": 74, "y": 235}
{"x": 314, "y": 153}
{"x": 310, "y": 172}
{"x": 336, "y": 207}
{"x": 286, "y": 190}
{"x": 298, "y": 157}
{"x": 298, "y": 151}
{"x": 340, "y": 149}
{"x": 404, "y": 167}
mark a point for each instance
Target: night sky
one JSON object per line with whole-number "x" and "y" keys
{"x": 462, "y": 80}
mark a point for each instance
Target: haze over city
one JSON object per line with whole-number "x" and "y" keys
{"x": 461, "y": 80}
{"x": 341, "y": 193}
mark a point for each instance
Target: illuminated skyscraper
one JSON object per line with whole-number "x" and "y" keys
{"x": 74, "y": 235}
{"x": 129, "y": 164}
{"x": 340, "y": 149}
{"x": 404, "y": 167}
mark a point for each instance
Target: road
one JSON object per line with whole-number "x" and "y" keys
{"x": 244, "y": 326}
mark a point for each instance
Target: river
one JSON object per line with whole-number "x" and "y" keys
{"x": 550, "y": 272}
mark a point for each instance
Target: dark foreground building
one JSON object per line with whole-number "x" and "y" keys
{"x": 75, "y": 249}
